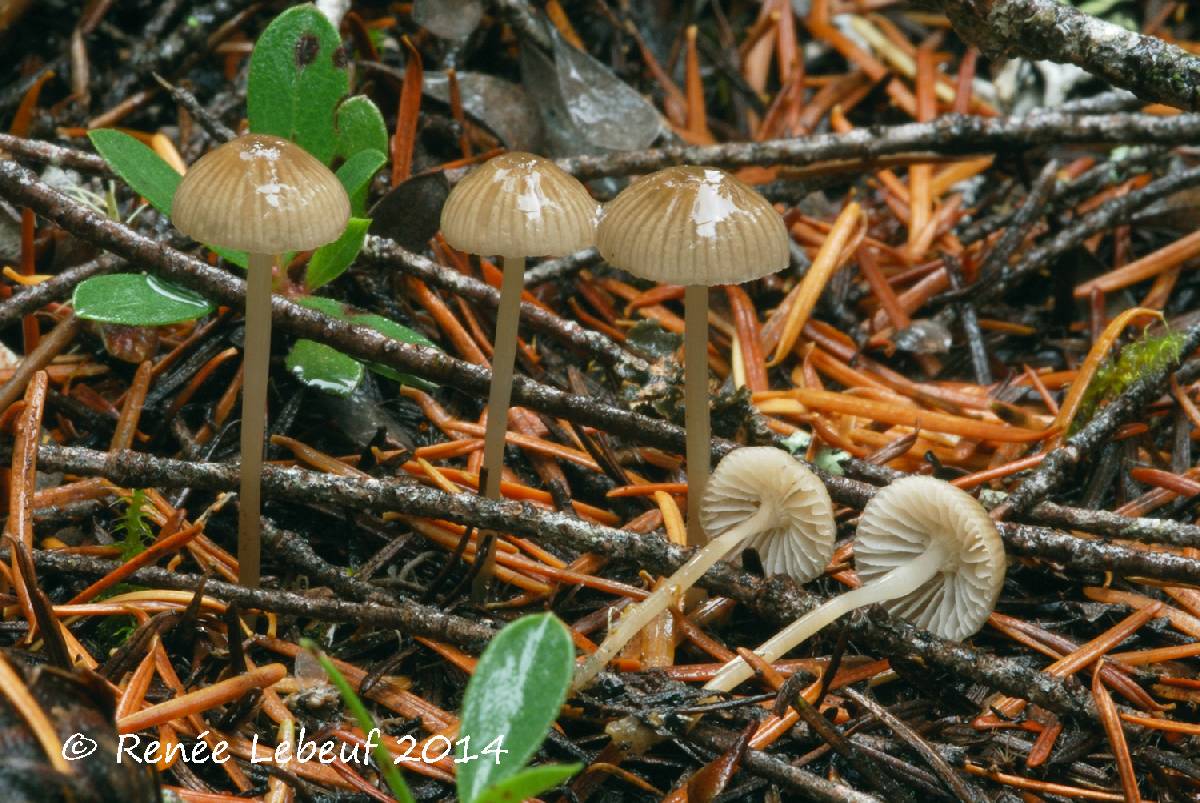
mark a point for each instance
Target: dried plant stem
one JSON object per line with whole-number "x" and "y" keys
{"x": 257, "y": 345}
{"x": 504, "y": 357}
{"x": 695, "y": 404}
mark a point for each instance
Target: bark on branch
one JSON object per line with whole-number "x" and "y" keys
{"x": 1047, "y": 29}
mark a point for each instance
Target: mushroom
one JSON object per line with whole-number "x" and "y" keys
{"x": 266, "y": 196}
{"x": 925, "y": 548}
{"x": 757, "y": 495}
{"x": 514, "y": 206}
{"x": 699, "y": 227}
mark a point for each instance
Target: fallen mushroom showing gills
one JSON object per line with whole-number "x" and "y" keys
{"x": 924, "y": 547}
{"x": 698, "y": 227}
{"x": 514, "y": 206}
{"x": 266, "y": 196}
{"x": 757, "y": 496}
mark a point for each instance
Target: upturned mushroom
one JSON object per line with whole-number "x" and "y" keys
{"x": 514, "y": 206}
{"x": 925, "y": 548}
{"x": 265, "y": 196}
{"x": 758, "y": 496}
{"x": 697, "y": 227}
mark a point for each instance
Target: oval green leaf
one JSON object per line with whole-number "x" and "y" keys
{"x": 512, "y": 700}
{"x": 137, "y": 299}
{"x": 356, "y": 175}
{"x": 331, "y": 260}
{"x": 529, "y": 782}
{"x": 324, "y": 368}
{"x": 142, "y": 169}
{"x": 297, "y": 78}
{"x": 360, "y": 127}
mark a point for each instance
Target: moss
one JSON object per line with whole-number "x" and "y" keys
{"x": 1148, "y": 355}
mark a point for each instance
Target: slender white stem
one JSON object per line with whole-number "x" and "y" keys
{"x": 641, "y": 614}
{"x": 255, "y": 371}
{"x": 504, "y": 356}
{"x": 695, "y": 405}
{"x": 902, "y": 580}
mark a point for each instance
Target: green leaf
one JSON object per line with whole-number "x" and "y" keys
{"x": 399, "y": 332}
{"x": 297, "y": 78}
{"x": 328, "y": 306}
{"x": 331, "y": 260}
{"x": 324, "y": 368}
{"x": 137, "y": 299}
{"x": 514, "y": 696}
{"x": 529, "y": 782}
{"x": 356, "y": 175}
{"x": 384, "y": 326}
{"x": 383, "y": 757}
{"x": 143, "y": 169}
{"x": 360, "y": 127}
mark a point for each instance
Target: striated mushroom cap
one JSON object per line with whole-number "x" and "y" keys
{"x": 260, "y": 194}
{"x": 898, "y": 524}
{"x": 519, "y": 205}
{"x": 692, "y": 225}
{"x": 799, "y": 541}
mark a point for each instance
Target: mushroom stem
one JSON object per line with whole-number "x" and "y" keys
{"x": 685, "y": 577}
{"x": 255, "y": 368}
{"x": 900, "y": 581}
{"x": 695, "y": 404}
{"x": 504, "y": 356}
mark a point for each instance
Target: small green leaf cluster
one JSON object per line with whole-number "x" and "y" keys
{"x": 511, "y": 702}
{"x": 296, "y": 88}
{"x": 1150, "y": 354}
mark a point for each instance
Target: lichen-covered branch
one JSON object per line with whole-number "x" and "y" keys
{"x": 1152, "y": 69}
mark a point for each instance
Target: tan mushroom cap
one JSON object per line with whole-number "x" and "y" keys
{"x": 692, "y": 225}
{"x": 519, "y": 205}
{"x": 898, "y": 524}
{"x": 799, "y": 540}
{"x": 261, "y": 194}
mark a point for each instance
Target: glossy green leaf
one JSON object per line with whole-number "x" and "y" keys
{"x": 356, "y": 175}
{"x": 142, "y": 169}
{"x": 529, "y": 782}
{"x": 396, "y": 332}
{"x": 514, "y": 696}
{"x": 323, "y": 367}
{"x": 360, "y": 127}
{"x": 331, "y": 260}
{"x": 137, "y": 299}
{"x": 297, "y": 78}
{"x": 385, "y": 326}
{"x": 328, "y": 306}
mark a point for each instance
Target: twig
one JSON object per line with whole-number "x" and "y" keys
{"x": 387, "y": 252}
{"x": 56, "y": 287}
{"x": 1046, "y": 29}
{"x": 963, "y": 792}
{"x": 40, "y": 152}
{"x": 812, "y": 787}
{"x": 50, "y": 346}
{"x": 1054, "y": 469}
{"x": 410, "y": 617}
{"x": 951, "y": 133}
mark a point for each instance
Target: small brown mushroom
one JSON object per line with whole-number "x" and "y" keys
{"x": 514, "y": 206}
{"x": 263, "y": 195}
{"x": 698, "y": 227}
